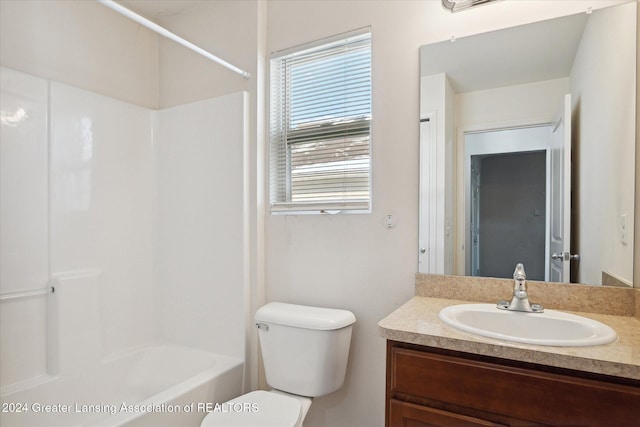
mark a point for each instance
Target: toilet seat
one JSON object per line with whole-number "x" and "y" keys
{"x": 256, "y": 409}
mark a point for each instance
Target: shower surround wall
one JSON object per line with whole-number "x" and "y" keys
{"x": 101, "y": 235}
{"x": 24, "y": 260}
{"x": 137, "y": 217}
{"x": 202, "y": 219}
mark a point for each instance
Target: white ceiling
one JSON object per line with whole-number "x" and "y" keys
{"x": 527, "y": 53}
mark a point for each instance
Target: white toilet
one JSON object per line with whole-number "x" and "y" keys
{"x": 305, "y": 351}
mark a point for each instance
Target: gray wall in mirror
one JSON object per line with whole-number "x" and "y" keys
{"x": 517, "y": 77}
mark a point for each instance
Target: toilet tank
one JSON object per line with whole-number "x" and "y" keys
{"x": 304, "y": 349}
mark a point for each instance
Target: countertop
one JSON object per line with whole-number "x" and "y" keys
{"x": 417, "y": 322}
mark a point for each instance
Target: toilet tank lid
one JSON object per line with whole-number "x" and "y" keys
{"x": 304, "y": 316}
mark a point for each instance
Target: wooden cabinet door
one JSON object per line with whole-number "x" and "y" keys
{"x": 519, "y": 393}
{"x": 478, "y": 389}
{"x": 405, "y": 414}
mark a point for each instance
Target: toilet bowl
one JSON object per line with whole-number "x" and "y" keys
{"x": 304, "y": 352}
{"x": 260, "y": 408}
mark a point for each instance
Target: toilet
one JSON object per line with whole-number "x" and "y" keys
{"x": 304, "y": 351}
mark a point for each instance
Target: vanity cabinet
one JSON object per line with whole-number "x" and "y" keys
{"x": 433, "y": 387}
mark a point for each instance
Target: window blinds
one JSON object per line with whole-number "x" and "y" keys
{"x": 320, "y": 127}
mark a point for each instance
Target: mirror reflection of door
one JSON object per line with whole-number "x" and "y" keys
{"x": 508, "y": 180}
{"x": 508, "y": 205}
{"x": 426, "y": 241}
{"x": 560, "y": 250}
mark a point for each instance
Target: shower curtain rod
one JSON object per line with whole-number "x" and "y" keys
{"x": 168, "y": 34}
{"x": 27, "y": 293}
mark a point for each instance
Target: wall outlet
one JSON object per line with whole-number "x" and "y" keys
{"x": 623, "y": 229}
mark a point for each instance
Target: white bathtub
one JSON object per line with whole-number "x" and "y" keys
{"x": 160, "y": 385}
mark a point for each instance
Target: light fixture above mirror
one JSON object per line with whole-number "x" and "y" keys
{"x": 458, "y": 5}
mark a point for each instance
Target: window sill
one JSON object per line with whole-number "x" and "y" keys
{"x": 315, "y": 209}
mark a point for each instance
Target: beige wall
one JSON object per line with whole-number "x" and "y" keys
{"x": 353, "y": 261}
{"x": 81, "y": 43}
{"x": 227, "y": 29}
{"x": 89, "y": 46}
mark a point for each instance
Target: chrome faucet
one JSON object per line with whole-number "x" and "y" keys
{"x": 520, "y": 299}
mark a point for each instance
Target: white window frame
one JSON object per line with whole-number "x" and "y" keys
{"x": 280, "y": 147}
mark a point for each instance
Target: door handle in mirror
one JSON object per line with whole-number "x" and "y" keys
{"x": 566, "y": 256}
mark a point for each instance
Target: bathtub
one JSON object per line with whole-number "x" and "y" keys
{"x": 158, "y": 385}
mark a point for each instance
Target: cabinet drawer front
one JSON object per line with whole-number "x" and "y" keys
{"x": 404, "y": 414}
{"x": 515, "y": 392}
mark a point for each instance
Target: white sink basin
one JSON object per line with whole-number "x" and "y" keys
{"x": 553, "y": 328}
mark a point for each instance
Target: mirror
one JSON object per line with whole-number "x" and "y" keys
{"x": 481, "y": 98}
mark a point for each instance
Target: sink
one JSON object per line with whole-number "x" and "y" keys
{"x": 552, "y": 328}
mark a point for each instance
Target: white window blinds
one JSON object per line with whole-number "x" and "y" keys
{"x": 320, "y": 126}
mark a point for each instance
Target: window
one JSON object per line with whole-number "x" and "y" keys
{"x": 320, "y": 126}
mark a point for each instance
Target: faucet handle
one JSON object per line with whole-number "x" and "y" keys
{"x": 518, "y": 273}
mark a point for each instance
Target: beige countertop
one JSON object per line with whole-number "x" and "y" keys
{"x": 417, "y": 322}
